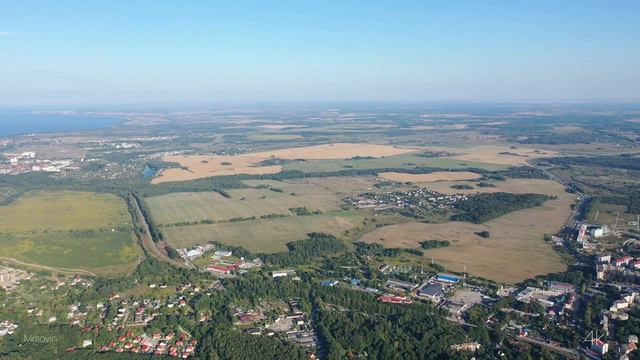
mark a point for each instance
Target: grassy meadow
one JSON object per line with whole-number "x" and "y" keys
{"x": 264, "y": 235}
{"x": 189, "y": 207}
{"x": 63, "y": 210}
{"x": 71, "y": 230}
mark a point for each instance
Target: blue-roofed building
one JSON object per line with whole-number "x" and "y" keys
{"x": 448, "y": 278}
{"x": 355, "y": 281}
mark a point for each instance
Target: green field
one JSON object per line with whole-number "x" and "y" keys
{"x": 401, "y": 161}
{"x": 189, "y": 207}
{"x": 63, "y": 210}
{"x": 100, "y": 252}
{"x": 71, "y": 230}
{"x": 269, "y": 235}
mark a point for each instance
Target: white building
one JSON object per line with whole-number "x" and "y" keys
{"x": 222, "y": 253}
{"x": 194, "y": 253}
{"x": 282, "y": 273}
{"x": 596, "y": 231}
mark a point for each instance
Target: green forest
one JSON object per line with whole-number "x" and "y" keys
{"x": 486, "y": 206}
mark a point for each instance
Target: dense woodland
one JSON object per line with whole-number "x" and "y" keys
{"x": 303, "y": 251}
{"x": 486, "y": 206}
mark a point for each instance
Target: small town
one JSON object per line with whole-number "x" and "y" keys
{"x": 320, "y": 180}
{"x": 28, "y": 162}
{"x": 417, "y": 202}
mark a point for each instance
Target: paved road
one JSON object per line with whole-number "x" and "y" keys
{"x": 569, "y": 353}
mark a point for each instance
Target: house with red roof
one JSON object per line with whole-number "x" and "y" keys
{"x": 394, "y": 299}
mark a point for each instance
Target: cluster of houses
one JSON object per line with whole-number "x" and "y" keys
{"x": 139, "y": 312}
{"x": 421, "y": 199}
{"x": 27, "y": 162}
{"x": 7, "y": 327}
{"x": 618, "y": 310}
{"x": 75, "y": 312}
{"x": 180, "y": 346}
{"x": 626, "y": 265}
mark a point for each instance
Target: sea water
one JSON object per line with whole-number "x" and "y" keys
{"x": 28, "y": 122}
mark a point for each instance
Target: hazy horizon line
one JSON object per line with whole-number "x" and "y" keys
{"x": 321, "y": 102}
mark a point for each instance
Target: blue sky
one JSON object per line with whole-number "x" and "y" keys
{"x": 89, "y": 52}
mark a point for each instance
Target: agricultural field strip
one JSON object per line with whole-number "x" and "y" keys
{"x": 264, "y": 235}
{"x": 244, "y": 203}
{"x": 70, "y": 230}
{"x": 198, "y": 166}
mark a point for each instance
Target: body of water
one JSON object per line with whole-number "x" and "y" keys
{"x": 21, "y": 123}
{"x": 149, "y": 172}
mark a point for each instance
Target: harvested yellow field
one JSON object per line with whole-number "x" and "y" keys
{"x": 201, "y": 166}
{"x": 515, "y": 251}
{"x": 432, "y": 177}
